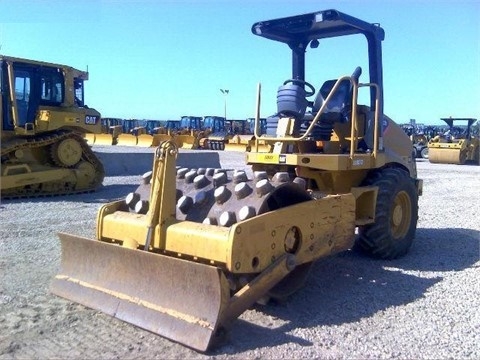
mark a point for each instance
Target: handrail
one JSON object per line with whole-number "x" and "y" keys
{"x": 257, "y": 115}
{"x": 12, "y": 95}
{"x": 315, "y": 119}
{"x": 354, "y": 126}
{"x": 376, "y": 116}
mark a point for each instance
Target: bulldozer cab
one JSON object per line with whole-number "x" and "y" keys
{"x": 251, "y": 125}
{"x": 173, "y": 124}
{"x": 237, "y": 127}
{"x": 214, "y": 123}
{"x": 191, "y": 123}
{"x": 153, "y": 126}
{"x": 39, "y": 97}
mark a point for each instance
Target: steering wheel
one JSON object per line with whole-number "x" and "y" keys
{"x": 310, "y": 89}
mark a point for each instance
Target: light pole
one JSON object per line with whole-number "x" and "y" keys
{"x": 225, "y": 93}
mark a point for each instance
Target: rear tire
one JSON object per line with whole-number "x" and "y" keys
{"x": 414, "y": 153}
{"x": 396, "y": 215}
{"x": 462, "y": 157}
{"x": 424, "y": 153}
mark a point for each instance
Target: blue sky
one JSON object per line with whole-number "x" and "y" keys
{"x": 159, "y": 59}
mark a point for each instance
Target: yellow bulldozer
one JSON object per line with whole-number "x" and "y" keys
{"x": 216, "y": 133}
{"x": 244, "y": 139}
{"x": 118, "y": 131}
{"x": 190, "y": 132}
{"x": 43, "y": 119}
{"x": 166, "y": 132}
{"x": 134, "y": 133}
{"x": 191, "y": 249}
{"x": 110, "y": 130}
{"x": 456, "y": 145}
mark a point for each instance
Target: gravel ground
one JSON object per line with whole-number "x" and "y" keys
{"x": 424, "y": 305}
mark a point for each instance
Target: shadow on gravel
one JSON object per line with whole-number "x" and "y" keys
{"x": 109, "y": 193}
{"x": 105, "y": 194}
{"x": 349, "y": 287}
{"x": 450, "y": 249}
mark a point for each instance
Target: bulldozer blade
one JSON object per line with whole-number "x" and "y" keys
{"x": 159, "y": 138}
{"x": 261, "y": 147}
{"x": 186, "y": 141}
{"x": 177, "y": 299}
{"x": 90, "y": 138}
{"x": 103, "y": 139}
{"x": 236, "y": 147}
{"x": 127, "y": 140}
{"x": 144, "y": 140}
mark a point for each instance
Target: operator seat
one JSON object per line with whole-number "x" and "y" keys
{"x": 337, "y": 110}
{"x": 339, "y": 106}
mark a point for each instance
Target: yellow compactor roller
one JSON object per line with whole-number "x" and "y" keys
{"x": 191, "y": 249}
{"x": 43, "y": 119}
{"x": 455, "y": 146}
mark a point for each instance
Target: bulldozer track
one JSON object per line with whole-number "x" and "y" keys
{"x": 59, "y": 187}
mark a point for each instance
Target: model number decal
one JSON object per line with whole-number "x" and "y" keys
{"x": 269, "y": 158}
{"x": 91, "y": 120}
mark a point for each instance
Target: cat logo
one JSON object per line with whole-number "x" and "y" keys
{"x": 91, "y": 120}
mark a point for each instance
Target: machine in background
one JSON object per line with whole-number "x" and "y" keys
{"x": 456, "y": 145}
{"x": 43, "y": 119}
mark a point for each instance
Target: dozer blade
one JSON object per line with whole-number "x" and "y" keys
{"x": 159, "y": 138}
{"x": 261, "y": 147}
{"x": 103, "y": 139}
{"x": 127, "y": 140}
{"x": 174, "y": 298}
{"x": 144, "y": 140}
{"x": 90, "y": 138}
{"x": 236, "y": 147}
{"x": 186, "y": 141}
